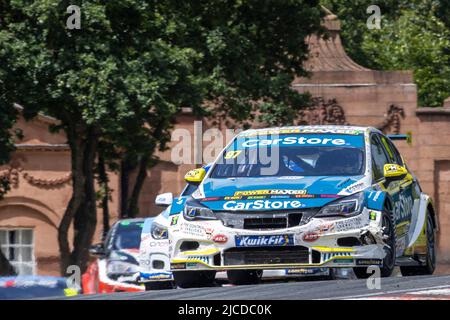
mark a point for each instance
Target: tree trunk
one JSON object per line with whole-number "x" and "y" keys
{"x": 103, "y": 180}
{"x": 6, "y": 269}
{"x": 82, "y": 205}
{"x": 133, "y": 208}
{"x": 125, "y": 169}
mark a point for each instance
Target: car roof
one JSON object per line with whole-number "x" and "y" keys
{"x": 344, "y": 128}
{"x": 130, "y": 220}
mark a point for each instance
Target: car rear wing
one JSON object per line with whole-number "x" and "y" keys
{"x": 407, "y": 137}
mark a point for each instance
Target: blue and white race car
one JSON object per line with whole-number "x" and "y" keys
{"x": 303, "y": 197}
{"x": 154, "y": 265}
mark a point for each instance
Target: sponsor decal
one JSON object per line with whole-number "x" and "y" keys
{"x": 273, "y": 196}
{"x": 174, "y": 220}
{"x": 211, "y": 199}
{"x": 209, "y": 232}
{"x": 301, "y": 271}
{"x": 156, "y": 276}
{"x": 290, "y": 178}
{"x": 220, "y": 238}
{"x": 329, "y": 196}
{"x": 377, "y": 195}
{"x": 294, "y": 141}
{"x": 262, "y": 204}
{"x": 228, "y": 198}
{"x": 305, "y": 196}
{"x": 261, "y": 132}
{"x": 310, "y": 237}
{"x": 157, "y": 244}
{"x": 177, "y": 266}
{"x": 160, "y": 243}
{"x": 192, "y": 229}
{"x": 356, "y": 187}
{"x": 348, "y": 224}
{"x": 269, "y": 192}
{"x": 369, "y": 262}
{"x": 177, "y": 206}
{"x": 264, "y": 241}
{"x": 372, "y": 215}
{"x": 324, "y": 228}
{"x": 403, "y": 207}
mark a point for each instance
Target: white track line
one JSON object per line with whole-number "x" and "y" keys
{"x": 387, "y": 293}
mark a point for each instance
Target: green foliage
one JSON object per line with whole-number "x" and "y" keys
{"x": 414, "y": 35}
{"x": 417, "y": 43}
{"x": 118, "y": 82}
{"x": 4, "y": 186}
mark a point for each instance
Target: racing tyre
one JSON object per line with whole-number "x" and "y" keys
{"x": 244, "y": 277}
{"x": 193, "y": 279}
{"x": 389, "y": 248}
{"x": 159, "y": 285}
{"x": 331, "y": 275}
{"x": 430, "y": 265}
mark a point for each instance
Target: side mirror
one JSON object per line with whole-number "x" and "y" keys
{"x": 164, "y": 199}
{"x": 394, "y": 171}
{"x": 97, "y": 249}
{"x": 195, "y": 175}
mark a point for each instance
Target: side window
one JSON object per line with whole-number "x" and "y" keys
{"x": 189, "y": 189}
{"x": 390, "y": 150}
{"x": 397, "y": 157}
{"x": 379, "y": 157}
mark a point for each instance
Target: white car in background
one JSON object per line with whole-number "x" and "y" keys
{"x": 154, "y": 264}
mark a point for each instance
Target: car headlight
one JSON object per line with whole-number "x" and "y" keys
{"x": 158, "y": 231}
{"x": 345, "y": 207}
{"x": 193, "y": 210}
{"x": 120, "y": 268}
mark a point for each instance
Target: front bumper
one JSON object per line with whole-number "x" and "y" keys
{"x": 209, "y": 245}
{"x": 154, "y": 265}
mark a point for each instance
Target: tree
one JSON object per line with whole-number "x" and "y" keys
{"x": 414, "y": 35}
{"x": 415, "y": 42}
{"x": 135, "y": 63}
{"x": 8, "y": 116}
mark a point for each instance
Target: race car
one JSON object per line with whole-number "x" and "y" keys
{"x": 303, "y": 197}
{"x": 31, "y": 287}
{"x": 116, "y": 269}
{"x": 154, "y": 265}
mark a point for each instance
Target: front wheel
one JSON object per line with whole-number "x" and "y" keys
{"x": 193, "y": 279}
{"x": 430, "y": 264}
{"x": 389, "y": 247}
{"x": 244, "y": 277}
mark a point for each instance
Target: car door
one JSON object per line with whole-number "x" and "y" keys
{"x": 410, "y": 193}
{"x": 402, "y": 193}
{"x": 380, "y": 157}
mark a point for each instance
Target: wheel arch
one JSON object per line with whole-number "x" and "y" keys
{"x": 432, "y": 211}
{"x": 389, "y": 203}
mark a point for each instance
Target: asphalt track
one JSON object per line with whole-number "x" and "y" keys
{"x": 411, "y": 288}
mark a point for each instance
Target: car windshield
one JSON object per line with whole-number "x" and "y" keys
{"x": 292, "y": 155}
{"x": 127, "y": 235}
